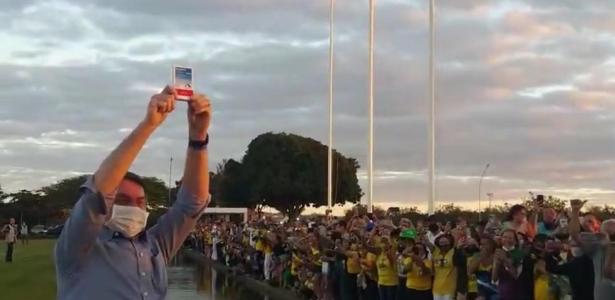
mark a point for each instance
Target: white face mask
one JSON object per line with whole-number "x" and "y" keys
{"x": 507, "y": 249}
{"x": 129, "y": 220}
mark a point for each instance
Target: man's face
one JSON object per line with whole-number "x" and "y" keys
{"x": 12, "y": 221}
{"x": 130, "y": 193}
{"x": 591, "y": 224}
{"x": 549, "y": 215}
{"x": 508, "y": 239}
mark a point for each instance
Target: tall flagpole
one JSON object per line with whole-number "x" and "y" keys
{"x": 432, "y": 115}
{"x": 330, "y": 154}
{"x": 370, "y": 174}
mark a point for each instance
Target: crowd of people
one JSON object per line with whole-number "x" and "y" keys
{"x": 535, "y": 253}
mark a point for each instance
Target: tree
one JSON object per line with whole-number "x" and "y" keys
{"x": 64, "y": 193}
{"x": 289, "y": 172}
{"x": 3, "y": 195}
{"x": 26, "y": 206}
{"x": 231, "y": 185}
{"x": 550, "y": 201}
{"x": 156, "y": 191}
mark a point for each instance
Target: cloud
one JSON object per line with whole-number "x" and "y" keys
{"x": 523, "y": 85}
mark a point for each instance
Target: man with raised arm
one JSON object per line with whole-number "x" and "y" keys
{"x": 104, "y": 251}
{"x": 599, "y": 244}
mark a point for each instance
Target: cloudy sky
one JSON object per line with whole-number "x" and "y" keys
{"x": 524, "y": 85}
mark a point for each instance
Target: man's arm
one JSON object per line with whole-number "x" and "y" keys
{"x": 97, "y": 194}
{"x": 574, "y": 226}
{"x": 193, "y": 197}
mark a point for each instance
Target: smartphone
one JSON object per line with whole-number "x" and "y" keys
{"x": 183, "y": 80}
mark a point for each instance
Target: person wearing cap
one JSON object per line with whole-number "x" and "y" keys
{"x": 407, "y": 237}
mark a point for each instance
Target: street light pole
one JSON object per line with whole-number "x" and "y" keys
{"x": 480, "y": 185}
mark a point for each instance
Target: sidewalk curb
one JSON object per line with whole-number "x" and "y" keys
{"x": 250, "y": 283}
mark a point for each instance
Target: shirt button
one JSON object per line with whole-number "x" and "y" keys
{"x": 141, "y": 254}
{"x": 145, "y": 294}
{"x": 143, "y": 274}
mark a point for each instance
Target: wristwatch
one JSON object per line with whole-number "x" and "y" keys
{"x": 198, "y": 144}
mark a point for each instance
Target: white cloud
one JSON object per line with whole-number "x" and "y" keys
{"x": 525, "y": 85}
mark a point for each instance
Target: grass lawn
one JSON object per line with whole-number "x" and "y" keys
{"x": 31, "y": 275}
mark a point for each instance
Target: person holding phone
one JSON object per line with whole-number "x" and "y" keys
{"x": 450, "y": 270}
{"x": 512, "y": 271}
{"x": 104, "y": 250}
{"x": 419, "y": 271}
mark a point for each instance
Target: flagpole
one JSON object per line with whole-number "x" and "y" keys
{"x": 432, "y": 115}
{"x": 330, "y": 154}
{"x": 371, "y": 108}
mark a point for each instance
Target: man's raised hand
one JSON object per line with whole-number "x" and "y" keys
{"x": 160, "y": 105}
{"x": 199, "y": 116}
{"x": 577, "y": 204}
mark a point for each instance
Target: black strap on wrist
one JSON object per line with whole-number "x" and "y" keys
{"x": 199, "y": 144}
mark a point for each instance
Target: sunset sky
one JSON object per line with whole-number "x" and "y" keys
{"x": 526, "y": 86}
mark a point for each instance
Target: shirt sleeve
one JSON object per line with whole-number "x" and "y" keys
{"x": 82, "y": 227}
{"x": 175, "y": 225}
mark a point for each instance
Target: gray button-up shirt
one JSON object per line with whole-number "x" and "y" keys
{"x": 94, "y": 262}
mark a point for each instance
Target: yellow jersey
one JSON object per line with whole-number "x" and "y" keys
{"x": 445, "y": 273}
{"x": 541, "y": 285}
{"x": 294, "y": 264}
{"x": 352, "y": 263}
{"x": 472, "y": 280}
{"x": 415, "y": 279}
{"x": 259, "y": 246}
{"x": 387, "y": 273}
{"x": 370, "y": 259}
{"x": 316, "y": 257}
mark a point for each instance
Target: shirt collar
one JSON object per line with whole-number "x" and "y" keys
{"x": 109, "y": 234}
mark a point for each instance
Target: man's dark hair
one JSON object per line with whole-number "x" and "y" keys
{"x": 130, "y": 176}
{"x": 515, "y": 209}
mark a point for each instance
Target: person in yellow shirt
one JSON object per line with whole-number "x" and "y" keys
{"x": 541, "y": 277}
{"x": 450, "y": 270}
{"x": 419, "y": 270}
{"x": 369, "y": 272}
{"x": 267, "y": 245}
{"x": 386, "y": 265}
{"x": 353, "y": 268}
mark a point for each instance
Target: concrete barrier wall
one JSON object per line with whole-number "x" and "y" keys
{"x": 252, "y": 284}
